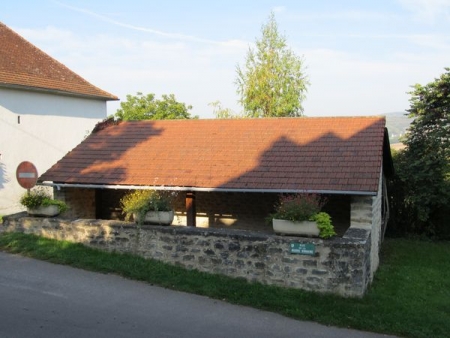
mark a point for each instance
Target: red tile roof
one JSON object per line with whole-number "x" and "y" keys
{"x": 22, "y": 65}
{"x": 339, "y": 154}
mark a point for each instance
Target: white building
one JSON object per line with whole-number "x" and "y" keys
{"x": 45, "y": 111}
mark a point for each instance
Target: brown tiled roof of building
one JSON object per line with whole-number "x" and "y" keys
{"x": 283, "y": 154}
{"x": 23, "y": 65}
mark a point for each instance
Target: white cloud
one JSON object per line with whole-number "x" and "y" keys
{"x": 436, "y": 42}
{"x": 349, "y": 15}
{"x": 167, "y": 35}
{"x": 279, "y": 9}
{"x": 428, "y": 10}
{"x": 352, "y": 85}
{"x": 196, "y": 73}
{"x": 199, "y": 71}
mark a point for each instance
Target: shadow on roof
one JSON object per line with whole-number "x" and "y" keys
{"x": 97, "y": 160}
{"x": 327, "y": 164}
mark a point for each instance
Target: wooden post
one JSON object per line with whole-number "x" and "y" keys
{"x": 190, "y": 209}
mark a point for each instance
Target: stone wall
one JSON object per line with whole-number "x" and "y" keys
{"x": 340, "y": 265}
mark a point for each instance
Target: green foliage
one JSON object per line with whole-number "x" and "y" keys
{"x": 146, "y": 107}
{"x": 304, "y": 207}
{"x": 273, "y": 82}
{"x": 409, "y": 296}
{"x": 140, "y": 202}
{"x": 40, "y": 198}
{"x": 298, "y": 207}
{"x": 324, "y": 224}
{"x": 109, "y": 121}
{"x": 223, "y": 113}
{"x": 423, "y": 168}
{"x": 402, "y": 218}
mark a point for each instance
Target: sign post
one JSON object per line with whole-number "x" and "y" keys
{"x": 27, "y": 175}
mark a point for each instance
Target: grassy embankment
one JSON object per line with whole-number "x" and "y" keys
{"x": 409, "y": 297}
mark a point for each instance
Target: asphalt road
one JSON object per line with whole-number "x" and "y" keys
{"x": 40, "y": 299}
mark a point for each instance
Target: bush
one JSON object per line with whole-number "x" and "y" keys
{"x": 140, "y": 202}
{"x": 40, "y": 198}
{"x": 405, "y": 208}
{"x": 324, "y": 224}
{"x": 421, "y": 188}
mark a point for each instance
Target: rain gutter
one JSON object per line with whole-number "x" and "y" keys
{"x": 244, "y": 190}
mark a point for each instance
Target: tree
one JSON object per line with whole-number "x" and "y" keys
{"x": 273, "y": 81}
{"x": 146, "y": 107}
{"x": 223, "y": 113}
{"x": 424, "y": 169}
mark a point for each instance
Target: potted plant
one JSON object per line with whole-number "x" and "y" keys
{"x": 300, "y": 214}
{"x": 40, "y": 203}
{"x": 148, "y": 206}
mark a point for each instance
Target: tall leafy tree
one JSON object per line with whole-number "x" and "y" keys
{"x": 424, "y": 169}
{"x": 147, "y": 107}
{"x": 273, "y": 80}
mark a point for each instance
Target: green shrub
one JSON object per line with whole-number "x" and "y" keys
{"x": 324, "y": 224}
{"x": 140, "y": 202}
{"x": 405, "y": 207}
{"x": 40, "y": 198}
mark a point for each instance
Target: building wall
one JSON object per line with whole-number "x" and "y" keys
{"x": 40, "y": 128}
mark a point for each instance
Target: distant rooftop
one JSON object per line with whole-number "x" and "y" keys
{"x": 23, "y": 65}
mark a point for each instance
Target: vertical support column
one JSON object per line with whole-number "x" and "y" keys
{"x": 361, "y": 213}
{"x": 190, "y": 209}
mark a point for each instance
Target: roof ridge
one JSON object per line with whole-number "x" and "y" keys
{"x": 365, "y": 117}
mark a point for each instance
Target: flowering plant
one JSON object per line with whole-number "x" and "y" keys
{"x": 139, "y": 202}
{"x": 298, "y": 207}
{"x": 304, "y": 207}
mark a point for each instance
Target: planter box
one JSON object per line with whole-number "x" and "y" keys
{"x": 48, "y": 211}
{"x": 157, "y": 217}
{"x": 304, "y": 228}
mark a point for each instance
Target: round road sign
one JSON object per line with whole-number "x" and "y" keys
{"x": 26, "y": 175}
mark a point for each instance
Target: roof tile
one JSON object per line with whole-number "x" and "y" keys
{"x": 24, "y": 65}
{"x": 314, "y": 154}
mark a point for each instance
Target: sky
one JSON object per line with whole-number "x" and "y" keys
{"x": 361, "y": 57}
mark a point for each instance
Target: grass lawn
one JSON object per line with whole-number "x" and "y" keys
{"x": 409, "y": 297}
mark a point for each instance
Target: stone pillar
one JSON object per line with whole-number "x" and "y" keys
{"x": 361, "y": 212}
{"x": 365, "y": 214}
